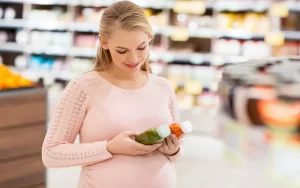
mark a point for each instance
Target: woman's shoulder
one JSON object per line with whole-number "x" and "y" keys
{"x": 85, "y": 82}
{"x": 161, "y": 82}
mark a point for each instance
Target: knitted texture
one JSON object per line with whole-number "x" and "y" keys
{"x": 97, "y": 111}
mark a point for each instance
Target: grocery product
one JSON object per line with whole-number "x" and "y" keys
{"x": 153, "y": 135}
{"x": 10, "y": 80}
{"x": 184, "y": 127}
{"x": 261, "y": 123}
{"x": 282, "y": 115}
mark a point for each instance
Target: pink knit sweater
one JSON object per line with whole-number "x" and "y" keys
{"x": 98, "y": 111}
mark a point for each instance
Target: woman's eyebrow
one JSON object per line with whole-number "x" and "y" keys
{"x": 126, "y": 48}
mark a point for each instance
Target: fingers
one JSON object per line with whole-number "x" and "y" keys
{"x": 169, "y": 141}
{"x": 130, "y": 133}
{"x": 161, "y": 149}
{"x": 165, "y": 145}
{"x": 146, "y": 148}
{"x": 175, "y": 140}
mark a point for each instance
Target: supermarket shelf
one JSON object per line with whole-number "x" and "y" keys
{"x": 238, "y": 34}
{"x": 236, "y": 5}
{"x": 292, "y": 35}
{"x": 12, "y": 1}
{"x": 47, "y": 2}
{"x": 196, "y": 58}
{"x": 92, "y": 27}
{"x": 48, "y": 76}
{"x": 11, "y": 47}
{"x": 233, "y": 5}
{"x": 46, "y": 25}
{"x": 156, "y": 4}
{"x": 94, "y": 3}
{"x": 293, "y": 6}
{"x": 15, "y": 23}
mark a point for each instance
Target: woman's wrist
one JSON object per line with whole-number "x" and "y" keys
{"x": 108, "y": 147}
{"x": 174, "y": 153}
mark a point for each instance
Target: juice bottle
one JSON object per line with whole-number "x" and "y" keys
{"x": 179, "y": 129}
{"x": 153, "y": 135}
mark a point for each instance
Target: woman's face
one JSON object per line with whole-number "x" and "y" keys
{"x": 129, "y": 49}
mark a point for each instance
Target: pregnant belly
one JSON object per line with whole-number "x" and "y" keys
{"x": 149, "y": 171}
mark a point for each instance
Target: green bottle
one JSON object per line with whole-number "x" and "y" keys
{"x": 153, "y": 135}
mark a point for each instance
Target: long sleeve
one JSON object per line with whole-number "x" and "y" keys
{"x": 175, "y": 117}
{"x": 58, "y": 149}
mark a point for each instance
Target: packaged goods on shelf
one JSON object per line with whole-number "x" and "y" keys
{"x": 260, "y": 105}
{"x": 1, "y": 12}
{"x": 289, "y": 48}
{"x": 258, "y": 23}
{"x": 9, "y": 13}
{"x": 54, "y": 14}
{"x": 86, "y": 40}
{"x": 194, "y": 85}
{"x": 92, "y": 15}
{"x": 157, "y": 19}
{"x": 247, "y": 49}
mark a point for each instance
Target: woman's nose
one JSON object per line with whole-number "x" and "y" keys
{"x": 133, "y": 58}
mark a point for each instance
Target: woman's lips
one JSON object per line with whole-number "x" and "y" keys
{"x": 132, "y": 66}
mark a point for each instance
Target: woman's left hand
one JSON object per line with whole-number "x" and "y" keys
{"x": 170, "y": 145}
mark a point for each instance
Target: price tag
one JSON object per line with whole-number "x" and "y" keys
{"x": 191, "y": 7}
{"x": 180, "y": 34}
{"x": 275, "y": 38}
{"x": 279, "y": 9}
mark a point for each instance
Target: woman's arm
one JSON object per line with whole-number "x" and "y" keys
{"x": 175, "y": 118}
{"x": 58, "y": 148}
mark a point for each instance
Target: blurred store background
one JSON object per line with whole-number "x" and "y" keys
{"x": 202, "y": 47}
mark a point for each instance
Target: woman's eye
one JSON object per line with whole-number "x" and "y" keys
{"x": 121, "y": 52}
{"x": 143, "y": 48}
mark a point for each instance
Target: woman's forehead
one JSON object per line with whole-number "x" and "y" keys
{"x": 128, "y": 39}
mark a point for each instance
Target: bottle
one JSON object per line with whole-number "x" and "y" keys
{"x": 179, "y": 129}
{"x": 153, "y": 135}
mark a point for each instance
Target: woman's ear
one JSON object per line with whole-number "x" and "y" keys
{"x": 103, "y": 42}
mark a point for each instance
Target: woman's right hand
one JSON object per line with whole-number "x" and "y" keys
{"x": 124, "y": 144}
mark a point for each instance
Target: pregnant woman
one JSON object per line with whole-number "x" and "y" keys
{"x": 109, "y": 105}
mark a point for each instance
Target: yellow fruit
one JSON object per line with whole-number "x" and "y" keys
{"x": 4, "y": 71}
{"x": 25, "y": 83}
{"x": 10, "y": 83}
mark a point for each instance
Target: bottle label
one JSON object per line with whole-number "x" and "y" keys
{"x": 265, "y": 93}
{"x": 291, "y": 90}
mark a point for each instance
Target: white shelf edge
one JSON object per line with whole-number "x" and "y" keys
{"x": 166, "y": 56}
{"x": 11, "y": 46}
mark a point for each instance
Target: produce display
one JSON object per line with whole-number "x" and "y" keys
{"x": 11, "y": 80}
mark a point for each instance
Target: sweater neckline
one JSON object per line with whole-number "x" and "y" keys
{"x": 123, "y": 89}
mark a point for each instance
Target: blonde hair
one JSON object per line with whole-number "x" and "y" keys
{"x": 128, "y": 16}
